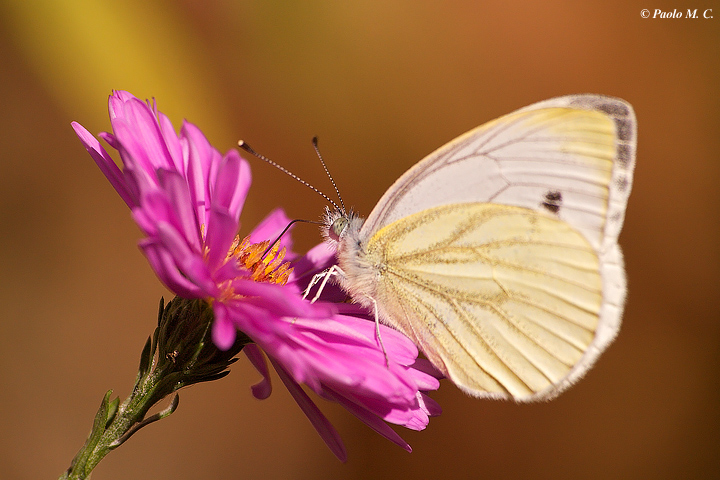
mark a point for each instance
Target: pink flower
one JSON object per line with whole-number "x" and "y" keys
{"x": 187, "y": 198}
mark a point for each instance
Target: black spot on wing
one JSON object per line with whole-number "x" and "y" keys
{"x": 622, "y": 183}
{"x": 619, "y": 111}
{"x": 624, "y": 129}
{"x": 624, "y": 155}
{"x": 552, "y": 201}
{"x": 613, "y": 109}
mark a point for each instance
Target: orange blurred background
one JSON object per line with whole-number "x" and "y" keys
{"x": 382, "y": 83}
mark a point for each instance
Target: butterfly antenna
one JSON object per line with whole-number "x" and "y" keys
{"x": 292, "y": 222}
{"x": 317, "y": 150}
{"x": 262, "y": 157}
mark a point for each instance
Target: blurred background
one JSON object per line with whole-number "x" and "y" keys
{"x": 382, "y": 83}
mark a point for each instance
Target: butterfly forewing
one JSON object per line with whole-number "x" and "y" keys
{"x": 569, "y": 148}
{"x": 487, "y": 298}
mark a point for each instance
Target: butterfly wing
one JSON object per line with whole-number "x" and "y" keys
{"x": 572, "y": 156}
{"x": 504, "y": 300}
{"x": 530, "y": 322}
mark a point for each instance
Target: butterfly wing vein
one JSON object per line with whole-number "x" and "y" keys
{"x": 489, "y": 300}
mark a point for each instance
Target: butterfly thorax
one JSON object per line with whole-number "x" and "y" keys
{"x": 342, "y": 230}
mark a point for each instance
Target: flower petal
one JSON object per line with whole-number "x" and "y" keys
{"x": 232, "y": 184}
{"x": 284, "y": 301}
{"x": 270, "y": 227}
{"x": 223, "y": 330}
{"x": 105, "y": 163}
{"x": 221, "y": 231}
{"x": 163, "y": 264}
{"x": 174, "y": 188}
{"x": 262, "y": 389}
{"x": 319, "y": 421}
{"x": 373, "y": 422}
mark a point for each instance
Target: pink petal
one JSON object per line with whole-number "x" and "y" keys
{"x": 284, "y": 300}
{"x": 270, "y": 227}
{"x": 221, "y": 230}
{"x": 430, "y": 406}
{"x": 172, "y": 142}
{"x": 232, "y": 184}
{"x": 184, "y": 220}
{"x": 262, "y": 389}
{"x": 133, "y": 155}
{"x": 105, "y": 163}
{"x": 187, "y": 261}
{"x": 373, "y": 422}
{"x": 223, "y": 330}
{"x": 199, "y": 152}
{"x": 319, "y": 421}
{"x": 319, "y": 258}
{"x": 165, "y": 268}
{"x": 144, "y": 138}
{"x": 116, "y": 103}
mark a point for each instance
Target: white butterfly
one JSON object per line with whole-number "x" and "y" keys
{"x": 497, "y": 253}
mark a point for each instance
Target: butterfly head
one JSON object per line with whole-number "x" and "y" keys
{"x": 337, "y": 223}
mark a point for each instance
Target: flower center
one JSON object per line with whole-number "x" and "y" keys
{"x": 268, "y": 268}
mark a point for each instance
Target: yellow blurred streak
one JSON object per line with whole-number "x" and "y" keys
{"x": 82, "y": 49}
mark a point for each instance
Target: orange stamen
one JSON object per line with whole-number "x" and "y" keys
{"x": 269, "y": 268}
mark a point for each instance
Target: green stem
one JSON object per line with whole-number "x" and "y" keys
{"x": 180, "y": 353}
{"x": 113, "y": 425}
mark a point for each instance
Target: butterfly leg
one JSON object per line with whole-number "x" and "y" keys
{"x": 316, "y": 278}
{"x": 325, "y": 276}
{"x": 377, "y": 330}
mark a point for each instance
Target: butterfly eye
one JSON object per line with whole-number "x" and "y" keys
{"x": 338, "y": 227}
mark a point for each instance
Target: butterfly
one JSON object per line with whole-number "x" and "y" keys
{"x": 497, "y": 254}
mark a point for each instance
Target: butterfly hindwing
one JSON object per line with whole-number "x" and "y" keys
{"x": 480, "y": 289}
